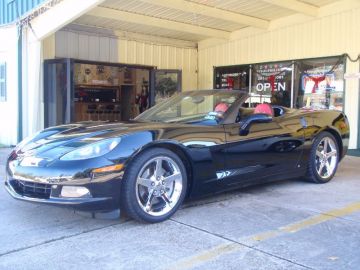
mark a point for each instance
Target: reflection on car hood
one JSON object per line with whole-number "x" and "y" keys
{"x": 55, "y": 142}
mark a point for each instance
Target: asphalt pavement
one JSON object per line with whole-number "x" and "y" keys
{"x": 283, "y": 225}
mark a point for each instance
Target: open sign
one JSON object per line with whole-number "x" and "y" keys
{"x": 263, "y": 87}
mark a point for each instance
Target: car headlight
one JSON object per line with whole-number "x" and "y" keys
{"x": 92, "y": 150}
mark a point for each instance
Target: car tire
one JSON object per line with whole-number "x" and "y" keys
{"x": 324, "y": 159}
{"x": 154, "y": 185}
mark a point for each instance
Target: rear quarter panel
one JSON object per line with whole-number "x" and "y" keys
{"x": 334, "y": 122}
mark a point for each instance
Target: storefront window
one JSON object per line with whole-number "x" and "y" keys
{"x": 110, "y": 93}
{"x": 76, "y": 91}
{"x": 309, "y": 83}
{"x": 57, "y": 92}
{"x": 271, "y": 83}
{"x": 236, "y": 78}
{"x": 320, "y": 84}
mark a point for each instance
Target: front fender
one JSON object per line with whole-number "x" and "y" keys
{"x": 135, "y": 144}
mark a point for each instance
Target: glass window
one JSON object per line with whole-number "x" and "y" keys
{"x": 271, "y": 83}
{"x": 57, "y": 93}
{"x": 236, "y": 77}
{"x": 320, "y": 84}
{"x": 314, "y": 83}
{"x": 167, "y": 83}
{"x": 193, "y": 106}
{"x": 2, "y": 81}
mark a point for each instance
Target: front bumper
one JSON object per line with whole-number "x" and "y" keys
{"x": 44, "y": 183}
{"x": 81, "y": 204}
{"x": 104, "y": 195}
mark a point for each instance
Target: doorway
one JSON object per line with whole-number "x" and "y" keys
{"x": 58, "y": 90}
{"x": 79, "y": 90}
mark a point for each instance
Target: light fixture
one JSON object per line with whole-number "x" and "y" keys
{"x": 112, "y": 168}
{"x": 74, "y": 192}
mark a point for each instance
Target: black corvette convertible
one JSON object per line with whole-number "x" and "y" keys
{"x": 195, "y": 143}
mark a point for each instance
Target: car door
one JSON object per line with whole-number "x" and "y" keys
{"x": 206, "y": 147}
{"x": 268, "y": 152}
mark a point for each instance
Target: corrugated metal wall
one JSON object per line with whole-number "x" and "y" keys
{"x": 332, "y": 35}
{"x": 85, "y": 46}
{"x": 327, "y": 36}
{"x": 112, "y": 49}
{"x": 11, "y": 9}
{"x": 163, "y": 57}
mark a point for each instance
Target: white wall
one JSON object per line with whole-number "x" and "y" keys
{"x": 32, "y": 90}
{"x": 334, "y": 33}
{"x": 8, "y": 109}
{"x": 95, "y": 47}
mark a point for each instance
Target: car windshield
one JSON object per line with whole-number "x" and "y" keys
{"x": 198, "y": 107}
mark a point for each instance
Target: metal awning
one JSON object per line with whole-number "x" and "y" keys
{"x": 194, "y": 20}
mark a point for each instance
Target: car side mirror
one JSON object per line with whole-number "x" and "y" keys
{"x": 251, "y": 119}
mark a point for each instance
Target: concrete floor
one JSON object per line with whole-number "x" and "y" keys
{"x": 285, "y": 225}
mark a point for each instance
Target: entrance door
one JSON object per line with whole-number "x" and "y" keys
{"x": 58, "y": 92}
{"x": 164, "y": 83}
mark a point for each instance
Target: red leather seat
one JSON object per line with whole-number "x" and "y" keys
{"x": 221, "y": 107}
{"x": 264, "y": 108}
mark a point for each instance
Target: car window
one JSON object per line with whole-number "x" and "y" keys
{"x": 201, "y": 107}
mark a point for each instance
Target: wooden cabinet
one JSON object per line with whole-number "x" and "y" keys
{"x": 97, "y": 102}
{"x": 104, "y": 103}
{"x": 99, "y": 111}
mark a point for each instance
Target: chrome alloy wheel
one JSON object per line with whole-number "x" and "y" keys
{"x": 326, "y": 157}
{"x": 159, "y": 185}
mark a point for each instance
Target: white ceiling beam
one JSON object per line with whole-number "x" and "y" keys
{"x": 297, "y": 6}
{"x": 126, "y": 16}
{"x": 156, "y": 40}
{"x": 99, "y": 31}
{"x": 214, "y": 12}
{"x": 60, "y": 15}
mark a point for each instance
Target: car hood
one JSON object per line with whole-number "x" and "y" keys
{"x": 56, "y": 141}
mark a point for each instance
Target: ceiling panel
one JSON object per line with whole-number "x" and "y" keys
{"x": 136, "y": 28}
{"x": 254, "y": 8}
{"x": 152, "y": 10}
{"x": 319, "y": 3}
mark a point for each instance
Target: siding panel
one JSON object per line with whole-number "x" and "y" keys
{"x": 9, "y": 11}
{"x": 111, "y": 49}
{"x": 94, "y": 48}
{"x": 83, "y": 47}
{"x": 104, "y": 49}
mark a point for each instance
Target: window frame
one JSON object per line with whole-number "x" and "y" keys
{"x": 294, "y": 88}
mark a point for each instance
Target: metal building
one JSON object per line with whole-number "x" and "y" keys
{"x": 309, "y": 45}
